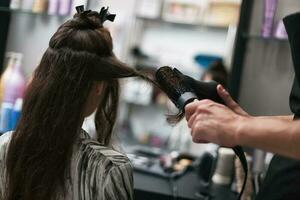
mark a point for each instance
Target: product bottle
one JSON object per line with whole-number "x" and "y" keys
{"x": 270, "y": 7}
{"x": 6, "y": 108}
{"x": 53, "y": 7}
{"x": 223, "y": 174}
{"x": 280, "y": 32}
{"x": 13, "y": 88}
{"x": 27, "y": 5}
{"x": 15, "y": 4}
{"x": 64, "y": 7}
{"x": 5, "y": 119}
{"x": 7, "y": 73}
{"x": 39, "y": 6}
{"x": 16, "y": 112}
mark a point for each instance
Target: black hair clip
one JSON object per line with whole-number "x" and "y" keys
{"x": 106, "y": 15}
{"x": 80, "y": 10}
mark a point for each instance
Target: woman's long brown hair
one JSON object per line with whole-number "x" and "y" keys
{"x": 40, "y": 150}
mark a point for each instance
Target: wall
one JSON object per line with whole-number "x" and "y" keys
{"x": 268, "y": 69}
{"x": 178, "y": 45}
{"x": 30, "y": 33}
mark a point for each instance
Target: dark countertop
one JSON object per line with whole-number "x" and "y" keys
{"x": 188, "y": 186}
{"x": 150, "y": 187}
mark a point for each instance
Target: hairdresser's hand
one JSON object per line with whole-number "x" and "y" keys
{"x": 213, "y": 122}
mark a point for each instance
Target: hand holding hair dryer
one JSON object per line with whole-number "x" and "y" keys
{"x": 182, "y": 90}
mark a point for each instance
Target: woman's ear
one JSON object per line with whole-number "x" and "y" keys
{"x": 93, "y": 98}
{"x": 98, "y": 88}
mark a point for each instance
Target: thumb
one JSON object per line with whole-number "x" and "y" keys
{"x": 229, "y": 101}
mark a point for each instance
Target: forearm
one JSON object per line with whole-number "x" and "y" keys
{"x": 284, "y": 117}
{"x": 275, "y": 134}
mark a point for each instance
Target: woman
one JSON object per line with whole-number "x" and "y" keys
{"x": 49, "y": 156}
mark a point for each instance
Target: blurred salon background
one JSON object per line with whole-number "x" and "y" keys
{"x": 239, "y": 43}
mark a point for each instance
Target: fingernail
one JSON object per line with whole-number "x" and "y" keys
{"x": 222, "y": 88}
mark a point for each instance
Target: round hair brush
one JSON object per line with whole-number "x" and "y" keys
{"x": 182, "y": 89}
{"x": 173, "y": 84}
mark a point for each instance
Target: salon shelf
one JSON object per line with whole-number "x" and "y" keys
{"x": 179, "y": 23}
{"x": 259, "y": 37}
{"x": 29, "y": 12}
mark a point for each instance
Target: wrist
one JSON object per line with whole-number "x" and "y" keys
{"x": 241, "y": 127}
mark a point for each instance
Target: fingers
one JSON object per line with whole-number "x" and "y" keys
{"x": 229, "y": 101}
{"x": 195, "y": 112}
{"x": 198, "y": 115}
{"x": 196, "y": 107}
{"x": 191, "y": 120}
{"x": 197, "y": 133}
{"x": 226, "y": 96}
{"x": 190, "y": 109}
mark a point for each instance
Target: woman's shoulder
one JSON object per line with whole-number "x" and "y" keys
{"x": 92, "y": 150}
{"x": 4, "y": 141}
{"x": 107, "y": 172}
{"x": 5, "y": 138}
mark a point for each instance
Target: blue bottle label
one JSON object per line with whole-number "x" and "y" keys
{"x": 5, "y": 117}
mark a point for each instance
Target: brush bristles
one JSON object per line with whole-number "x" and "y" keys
{"x": 171, "y": 83}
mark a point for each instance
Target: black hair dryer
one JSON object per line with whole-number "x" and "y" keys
{"x": 182, "y": 90}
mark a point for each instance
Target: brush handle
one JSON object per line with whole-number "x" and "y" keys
{"x": 185, "y": 99}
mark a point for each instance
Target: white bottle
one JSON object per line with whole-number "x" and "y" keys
{"x": 225, "y": 167}
{"x": 64, "y": 7}
{"x": 53, "y": 7}
{"x": 15, "y": 4}
{"x": 27, "y": 5}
